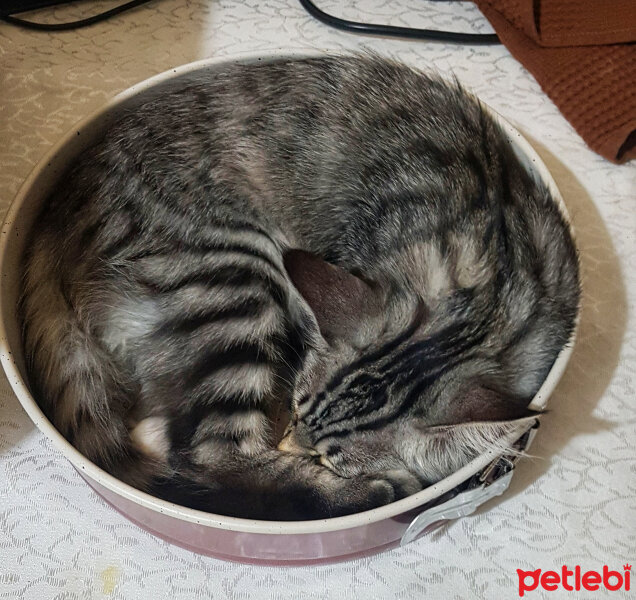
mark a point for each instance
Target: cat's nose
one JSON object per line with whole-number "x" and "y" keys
{"x": 290, "y": 444}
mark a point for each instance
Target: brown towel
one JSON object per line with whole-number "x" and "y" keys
{"x": 582, "y": 54}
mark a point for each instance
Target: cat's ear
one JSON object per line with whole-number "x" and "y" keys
{"x": 441, "y": 451}
{"x": 476, "y": 420}
{"x": 479, "y": 402}
{"x": 342, "y": 303}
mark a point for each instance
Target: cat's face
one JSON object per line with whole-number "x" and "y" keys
{"x": 392, "y": 397}
{"x": 378, "y": 414}
{"x": 364, "y": 424}
{"x": 430, "y": 452}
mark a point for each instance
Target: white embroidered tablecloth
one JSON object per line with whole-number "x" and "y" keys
{"x": 574, "y": 504}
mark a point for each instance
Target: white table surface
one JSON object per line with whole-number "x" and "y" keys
{"x": 573, "y": 504}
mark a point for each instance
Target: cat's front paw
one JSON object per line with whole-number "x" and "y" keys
{"x": 401, "y": 483}
{"x": 362, "y": 493}
{"x": 389, "y": 486}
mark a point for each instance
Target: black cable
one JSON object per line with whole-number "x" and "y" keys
{"x": 73, "y": 24}
{"x": 403, "y": 32}
{"x": 310, "y": 7}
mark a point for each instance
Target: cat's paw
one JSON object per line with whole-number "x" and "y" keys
{"x": 399, "y": 483}
{"x": 362, "y": 493}
{"x": 390, "y": 486}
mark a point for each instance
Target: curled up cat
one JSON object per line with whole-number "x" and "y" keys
{"x": 346, "y": 242}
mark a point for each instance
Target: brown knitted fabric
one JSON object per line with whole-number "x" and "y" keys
{"x": 580, "y": 53}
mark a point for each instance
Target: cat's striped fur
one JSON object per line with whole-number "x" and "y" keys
{"x": 342, "y": 237}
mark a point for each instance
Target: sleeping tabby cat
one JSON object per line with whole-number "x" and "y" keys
{"x": 343, "y": 240}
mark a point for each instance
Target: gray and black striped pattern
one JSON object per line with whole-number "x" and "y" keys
{"x": 343, "y": 240}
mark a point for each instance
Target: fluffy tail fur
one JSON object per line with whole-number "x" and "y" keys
{"x": 81, "y": 390}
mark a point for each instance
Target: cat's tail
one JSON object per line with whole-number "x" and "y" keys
{"x": 78, "y": 385}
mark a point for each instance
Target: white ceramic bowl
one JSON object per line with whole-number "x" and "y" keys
{"x": 242, "y": 540}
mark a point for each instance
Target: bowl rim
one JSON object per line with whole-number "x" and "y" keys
{"x": 253, "y": 526}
